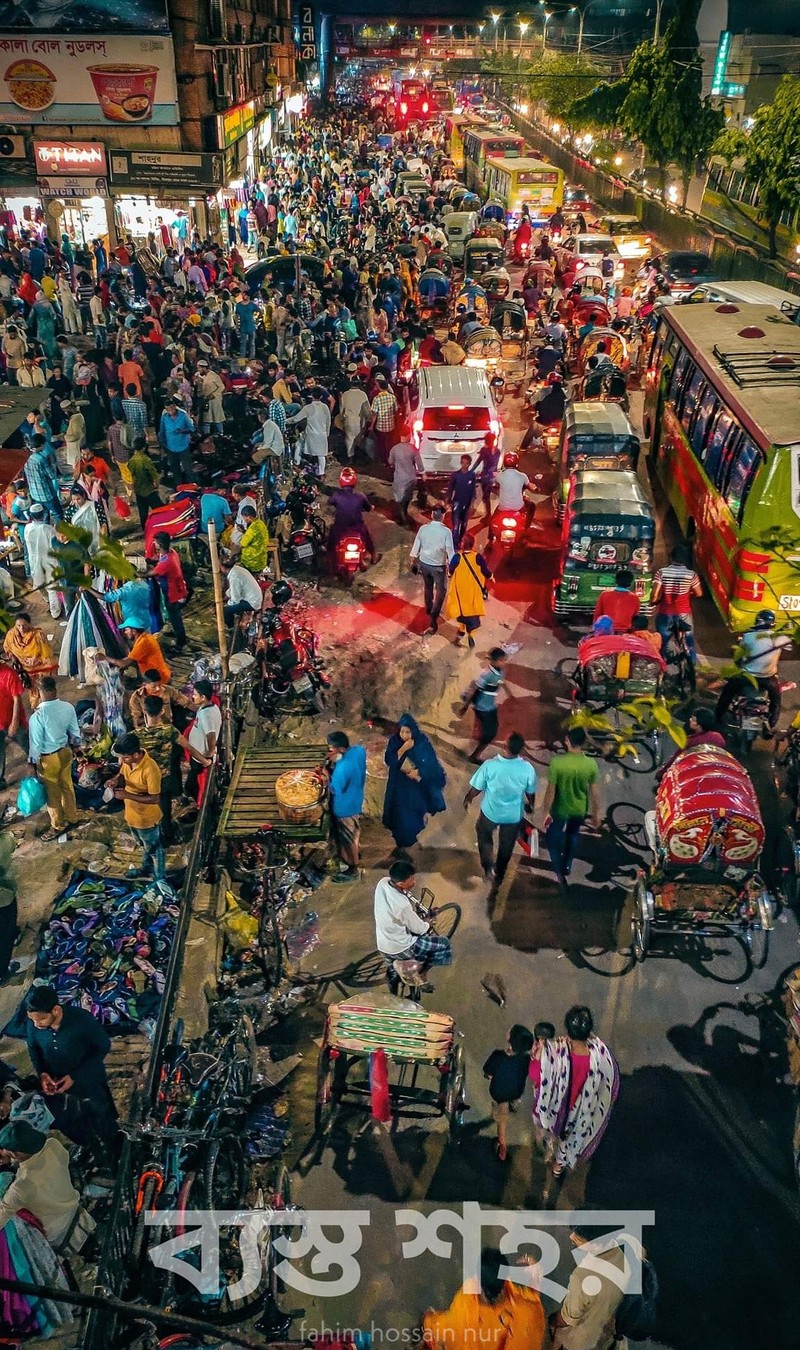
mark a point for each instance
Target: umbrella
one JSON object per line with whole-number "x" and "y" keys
{"x": 89, "y": 625}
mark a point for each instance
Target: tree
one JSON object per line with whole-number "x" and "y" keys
{"x": 75, "y": 562}
{"x": 771, "y": 154}
{"x": 598, "y": 110}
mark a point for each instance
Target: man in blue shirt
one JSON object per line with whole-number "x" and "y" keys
{"x": 461, "y": 493}
{"x": 174, "y": 433}
{"x": 347, "y": 770}
{"x": 213, "y": 506}
{"x": 483, "y": 694}
{"x": 52, "y": 730}
{"x": 508, "y": 784}
{"x": 246, "y": 311}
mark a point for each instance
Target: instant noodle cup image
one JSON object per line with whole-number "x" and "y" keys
{"x": 125, "y": 92}
{"x": 31, "y": 84}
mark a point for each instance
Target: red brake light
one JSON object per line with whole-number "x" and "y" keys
{"x": 456, "y": 407}
{"x": 404, "y": 108}
{"x": 351, "y": 550}
{"x": 424, "y": 107}
{"x": 510, "y": 522}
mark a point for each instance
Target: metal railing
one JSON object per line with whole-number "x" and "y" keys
{"x": 100, "y": 1329}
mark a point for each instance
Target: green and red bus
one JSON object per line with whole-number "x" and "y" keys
{"x": 722, "y": 414}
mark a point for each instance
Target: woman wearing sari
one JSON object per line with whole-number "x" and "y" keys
{"x": 576, "y": 1082}
{"x": 465, "y": 602}
{"x": 416, "y": 783}
{"x": 29, "y": 646}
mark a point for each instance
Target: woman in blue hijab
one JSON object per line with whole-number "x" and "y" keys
{"x": 416, "y": 783}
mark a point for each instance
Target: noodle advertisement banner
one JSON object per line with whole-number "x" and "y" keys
{"x": 87, "y": 81}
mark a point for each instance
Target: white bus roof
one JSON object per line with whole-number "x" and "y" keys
{"x": 743, "y": 293}
{"x": 751, "y": 353}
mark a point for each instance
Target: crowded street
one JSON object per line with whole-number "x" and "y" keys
{"x": 400, "y": 755}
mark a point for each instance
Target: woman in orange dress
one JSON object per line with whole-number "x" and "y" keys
{"x": 29, "y": 646}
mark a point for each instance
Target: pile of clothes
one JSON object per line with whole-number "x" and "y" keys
{"x": 107, "y": 946}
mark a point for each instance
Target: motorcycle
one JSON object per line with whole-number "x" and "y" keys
{"x": 307, "y": 531}
{"x": 293, "y": 676}
{"x": 349, "y": 557}
{"x": 748, "y": 717}
{"x": 507, "y": 528}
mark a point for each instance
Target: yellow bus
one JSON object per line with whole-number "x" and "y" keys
{"x": 525, "y": 182}
{"x": 482, "y": 143}
{"x": 454, "y": 129}
{"x": 722, "y": 393}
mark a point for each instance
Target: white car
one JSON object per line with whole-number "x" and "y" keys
{"x": 588, "y": 249}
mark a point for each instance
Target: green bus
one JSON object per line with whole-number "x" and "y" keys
{"x": 481, "y": 143}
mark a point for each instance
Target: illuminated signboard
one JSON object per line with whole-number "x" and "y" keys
{"x": 69, "y": 157}
{"x": 721, "y": 63}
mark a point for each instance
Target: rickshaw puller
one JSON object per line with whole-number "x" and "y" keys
{"x": 403, "y": 938}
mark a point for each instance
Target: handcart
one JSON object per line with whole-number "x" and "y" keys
{"x": 423, "y": 1057}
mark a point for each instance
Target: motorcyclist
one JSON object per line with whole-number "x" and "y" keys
{"x": 515, "y": 490}
{"x": 551, "y": 400}
{"x": 762, "y": 648}
{"x": 350, "y": 506}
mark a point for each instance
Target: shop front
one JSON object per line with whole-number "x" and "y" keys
{"x": 72, "y": 182}
{"x": 161, "y": 198}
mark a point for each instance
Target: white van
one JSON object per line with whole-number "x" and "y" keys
{"x": 459, "y": 226}
{"x": 743, "y": 293}
{"x": 451, "y": 412}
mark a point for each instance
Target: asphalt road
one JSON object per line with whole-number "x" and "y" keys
{"x": 701, "y": 1134}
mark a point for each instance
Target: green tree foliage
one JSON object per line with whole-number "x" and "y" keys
{"x": 74, "y": 562}
{"x": 771, "y": 153}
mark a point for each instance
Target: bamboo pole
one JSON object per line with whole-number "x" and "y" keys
{"x": 222, "y": 636}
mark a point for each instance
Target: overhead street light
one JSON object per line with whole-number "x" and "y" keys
{"x": 524, "y": 25}
{"x": 547, "y": 16}
{"x": 495, "y": 21}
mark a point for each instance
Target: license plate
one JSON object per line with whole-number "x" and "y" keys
{"x": 302, "y": 684}
{"x": 752, "y": 724}
{"x": 789, "y": 602}
{"x": 304, "y": 551}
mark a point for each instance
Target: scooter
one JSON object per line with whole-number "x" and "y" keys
{"x": 748, "y": 717}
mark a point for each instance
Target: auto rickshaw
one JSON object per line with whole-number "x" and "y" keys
{"x": 608, "y": 525}
{"x": 459, "y": 226}
{"x": 490, "y": 229}
{"x": 540, "y": 274}
{"x": 434, "y": 294}
{"x": 483, "y": 349}
{"x": 473, "y": 297}
{"x": 616, "y": 348}
{"x": 594, "y": 436}
{"x": 494, "y": 211}
{"x": 480, "y": 255}
{"x": 511, "y": 322}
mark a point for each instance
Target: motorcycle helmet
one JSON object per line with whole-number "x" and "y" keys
{"x": 511, "y": 460}
{"x": 555, "y": 377}
{"x": 348, "y": 477}
{"x": 281, "y": 594}
{"x": 765, "y": 618}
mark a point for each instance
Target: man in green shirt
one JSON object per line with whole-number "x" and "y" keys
{"x": 253, "y": 546}
{"x": 571, "y": 796}
{"x": 144, "y": 479}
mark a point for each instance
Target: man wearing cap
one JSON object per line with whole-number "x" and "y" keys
{"x": 174, "y": 434}
{"x": 67, "y": 1048}
{"x": 42, "y": 1184}
{"x": 384, "y": 417}
{"x": 40, "y": 538}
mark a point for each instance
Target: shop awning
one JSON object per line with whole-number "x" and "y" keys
{"x": 15, "y": 404}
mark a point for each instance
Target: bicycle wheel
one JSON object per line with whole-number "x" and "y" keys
{"x": 224, "y": 1173}
{"x": 445, "y": 919}
{"x": 270, "y": 945}
{"x": 245, "y": 1057}
{"x": 643, "y": 760}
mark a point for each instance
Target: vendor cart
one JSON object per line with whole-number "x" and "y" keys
{"x": 706, "y": 835}
{"x": 378, "y": 1040}
{"x": 251, "y": 806}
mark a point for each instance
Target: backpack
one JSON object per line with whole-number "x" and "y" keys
{"x": 637, "y": 1313}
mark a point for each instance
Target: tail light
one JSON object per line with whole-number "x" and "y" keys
{"x": 424, "y": 107}
{"x": 509, "y": 522}
{"x": 404, "y": 108}
{"x": 417, "y": 430}
{"x": 352, "y": 551}
{"x": 494, "y": 426}
{"x": 455, "y": 407}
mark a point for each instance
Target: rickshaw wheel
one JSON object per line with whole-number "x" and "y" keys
{"x": 640, "y": 923}
{"x": 756, "y": 937}
{"x": 325, "y": 1103}
{"x": 454, "y": 1103}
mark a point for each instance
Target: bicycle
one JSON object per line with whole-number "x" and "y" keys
{"x": 264, "y": 864}
{"x": 443, "y": 920}
{"x": 678, "y": 654}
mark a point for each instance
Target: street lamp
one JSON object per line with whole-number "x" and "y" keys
{"x": 495, "y": 21}
{"x": 547, "y": 16}
{"x": 524, "y": 25}
{"x": 582, "y": 11}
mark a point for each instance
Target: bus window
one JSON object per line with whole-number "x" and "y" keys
{"x": 743, "y": 471}
{"x": 702, "y": 421}
{"x": 718, "y": 446}
{"x": 679, "y": 372}
{"x": 691, "y": 397}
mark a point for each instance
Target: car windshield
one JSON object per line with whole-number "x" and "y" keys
{"x": 689, "y": 264}
{"x": 595, "y": 247}
{"x": 626, "y": 227}
{"x": 456, "y": 419}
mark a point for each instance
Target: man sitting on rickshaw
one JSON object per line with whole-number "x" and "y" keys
{"x": 469, "y": 324}
{"x": 620, "y": 602}
{"x": 403, "y": 938}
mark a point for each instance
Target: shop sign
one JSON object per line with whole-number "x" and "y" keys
{"x": 72, "y": 187}
{"x": 235, "y": 124}
{"x": 721, "y": 62}
{"x": 124, "y": 81}
{"x": 76, "y": 16}
{"x": 409, "y": 51}
{"x": 70, "y": 157}
{"x": 307, "y": 46}
{"x": 157, "y": 170}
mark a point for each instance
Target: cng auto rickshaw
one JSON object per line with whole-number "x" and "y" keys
{"x": 472, "y": 297}
{"x": 494, "y": 210}
{"x": 459, "y": 226}
{"x": 608, "y": 525}
{"x": 594, "y": 436}
{"x": 480, "y": 255}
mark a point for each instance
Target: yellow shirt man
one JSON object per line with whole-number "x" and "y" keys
{"x": 145, "y": 778}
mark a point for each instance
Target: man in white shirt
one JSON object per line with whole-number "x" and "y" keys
{"x": 42, "y": 1184}
{"x": 242, "y": 498}
{"x": 407, "y": 469}
{"x": 267, "y": 441}
{"x": 515, "y": 490}
{"x": 316, "y": 417}
{"x": 430, "y": 554}
{"x": 401, "y": 935}
{"x": 203, "y": 735}
{"x": 244, "y": 595}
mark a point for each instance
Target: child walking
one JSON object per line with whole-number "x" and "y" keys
{"x": 507, "y": 1071}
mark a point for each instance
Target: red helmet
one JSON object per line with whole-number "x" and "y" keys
{"x": 348, "y": 477}
{"x": 555, "y": 377}
{"x": 511, "y": 460}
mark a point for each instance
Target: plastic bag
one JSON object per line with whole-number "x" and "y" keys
{"x": 241, "y": 927}
{"x": 122, "y": 508}
{"x": 31, "y": 797}
{"x": 304, "y": 938}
